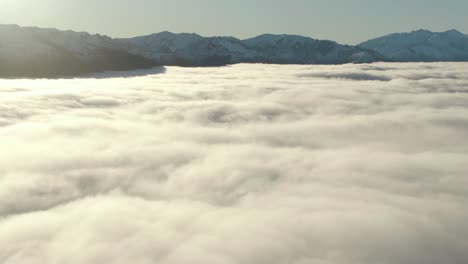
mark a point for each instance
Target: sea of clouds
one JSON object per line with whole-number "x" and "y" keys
{"x": 252, "y": 164}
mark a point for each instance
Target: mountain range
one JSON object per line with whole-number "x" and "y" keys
{"x": 36, "y": 52}
{"x": 194, "y": 50}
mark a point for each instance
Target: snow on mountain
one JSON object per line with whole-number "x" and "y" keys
{"x": 35, "y": 52}
{"x": 157, "y": 46}
{"x": 194, "y": 50}
{"x": 189, "y": 49}
{"x": 304, "y": 50}
{"x": 422, "y": 45}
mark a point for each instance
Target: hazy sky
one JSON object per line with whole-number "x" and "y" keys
{"x": 341, "y": 20}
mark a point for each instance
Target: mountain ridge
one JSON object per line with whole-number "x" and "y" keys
{"x": 185, "y": 49}
{"x": 49, "y": 52}
{"x": 43, "y": 53}
{"x": 421, "y": 46}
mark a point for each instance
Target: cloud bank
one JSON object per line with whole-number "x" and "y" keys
{"x": 255, "y": 164}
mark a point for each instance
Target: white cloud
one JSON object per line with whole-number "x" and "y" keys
{"x": 240, "y": 164}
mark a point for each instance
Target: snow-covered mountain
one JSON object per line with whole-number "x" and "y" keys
{"x": 35, "y": 52}
{"x": 189, "y": 49}
{"x": 194, "y": 50}
{"x": 422, "y": 46}
{"x": 304, "y": 50}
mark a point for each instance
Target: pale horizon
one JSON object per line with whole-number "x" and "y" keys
{"x": 228, "y": 35}
{"x": 341, "y": 21}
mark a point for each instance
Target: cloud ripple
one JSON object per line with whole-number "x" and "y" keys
{"x": 242, "y": 164}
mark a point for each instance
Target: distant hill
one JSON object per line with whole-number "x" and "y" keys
{"x": 194, "y": 50}
{"x": 34, "y": 52}
{"x": 422, "y": 46}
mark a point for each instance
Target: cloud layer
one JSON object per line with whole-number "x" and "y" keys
{"x": 247, "y": 164}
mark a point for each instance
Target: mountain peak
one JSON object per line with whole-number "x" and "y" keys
{"x": 278, "y": 36}
{"x": 172, "y": 34}
{"x": 422, "y": 46}
{"x": 421, "y": 31}
{"x": 454, "y": 32}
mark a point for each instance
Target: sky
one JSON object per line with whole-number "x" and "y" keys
{"x": 344, "y": 21}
